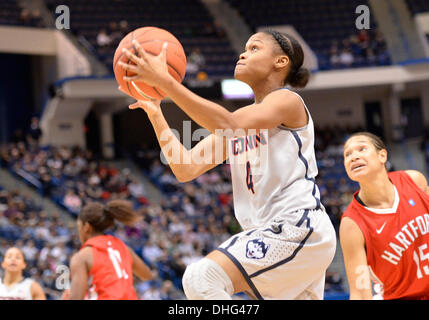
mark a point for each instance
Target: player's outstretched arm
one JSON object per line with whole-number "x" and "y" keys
{"x": 185, "y": 164}
{"x": 353, "y": 246}
{"x": 279, "y": 107}
{"x": 140, "y": 269}
{"x": 37, "y": 292}
{"x": 79, "y": 270}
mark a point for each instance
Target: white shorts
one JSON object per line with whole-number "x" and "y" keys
{"x": 288, "y": 258}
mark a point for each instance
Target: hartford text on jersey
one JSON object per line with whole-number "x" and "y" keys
{"x": 410, "y": 232}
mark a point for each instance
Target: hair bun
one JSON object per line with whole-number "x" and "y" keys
{"x": 299, "y": 78}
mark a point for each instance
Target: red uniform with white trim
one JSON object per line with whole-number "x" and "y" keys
{"x": 111, "y": 276}
{"x": 397, "y": 240}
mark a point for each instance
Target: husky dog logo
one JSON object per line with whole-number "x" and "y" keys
{"x": 256, "y": 249}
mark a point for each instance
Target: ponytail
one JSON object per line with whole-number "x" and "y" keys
{"x": 298, "y": 78}
{"x": 102, "y": 217}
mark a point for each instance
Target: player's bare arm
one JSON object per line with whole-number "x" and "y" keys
{"x": 281, "y": 107}
{"x": 419, "y": 179}
{"x": 353, "y": 246}
{"x": 37, "y": 292}
{"x": 140, "y": 269}
{"x": 278, "y": 107}
{"x": 80, "y": 266}
{"x": 185, "y": 164}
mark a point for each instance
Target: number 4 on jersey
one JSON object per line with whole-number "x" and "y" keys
{"x": 249, "y": 177}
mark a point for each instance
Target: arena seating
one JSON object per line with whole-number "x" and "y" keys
{"x": 320, "y": 23}
{"x": 188, "y": 20}
{"x": 193, "y": 218}
{"x": 418, "y": 6}
{"x": 12, "y": 14}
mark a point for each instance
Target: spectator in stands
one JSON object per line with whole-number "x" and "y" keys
{"x": 103, "y": 39}
{"x": 197, "y": 57}
{"x": 355, "y": 46}
{"x": 30, "y": 252}
{"x": 370, "y": 56}
{"x": 195, "y": 62}
{"x": 25, "y": 17}
{"x": 379, "y": 47}
{"x": 45, "y": 180}
{"x": 71, "y": 170}
{"x": 363, "y": 37}
{"x": 35, "y": 132}
{"x": 346, "y": 58}
{"x": 151, "y": 294}
{"x": 168, "y": 292}
{"x": 114, "y": 32}
{"x": 4, "y": 156}
{"x": 36, "y": 19}
{"x": 335, "y": 57}
{"x": 72, "y": 201}
{"x": 136, "y": 189}
{"x": 124, "y": 27}
{"x": 151, "y": 251}
{"x": 156, "y": 169}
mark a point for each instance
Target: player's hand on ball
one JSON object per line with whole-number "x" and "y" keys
{"x": 149, "y": 69}
{"x": 151, "y": 107}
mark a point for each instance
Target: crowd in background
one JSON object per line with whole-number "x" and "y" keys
{"x": 192, "y": 218}
{"x": 31, "y": 18}
{"x": 366, "y": 48}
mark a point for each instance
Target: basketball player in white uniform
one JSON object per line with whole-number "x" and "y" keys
{"x": 288, "y": 240}
{"x": 13, "y": 286}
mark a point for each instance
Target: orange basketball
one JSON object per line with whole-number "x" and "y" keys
{"x": 151, "y": 40}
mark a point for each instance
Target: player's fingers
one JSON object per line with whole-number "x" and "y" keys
{"x": 133, "y": 78}
{"x": 140, "y": 104}
{"x": 134, "y": 106}
{"x": 164, "y": 50}
{"x": 157, "y": 102}
{"x": 140, "y": 50}
{"x": 129, "y": 67}
{"x": 132, "y": 56}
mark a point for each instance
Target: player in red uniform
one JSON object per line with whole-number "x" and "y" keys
{"x": 104, "y": 266}
{"x": 386, "y": 226}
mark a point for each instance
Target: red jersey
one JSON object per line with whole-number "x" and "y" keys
{"x": 397, "y": 240}
{"x": 111, "y": 276}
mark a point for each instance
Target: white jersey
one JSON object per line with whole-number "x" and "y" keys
{"x": 273, "y": 174}
{"x": 19, "y": 291}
